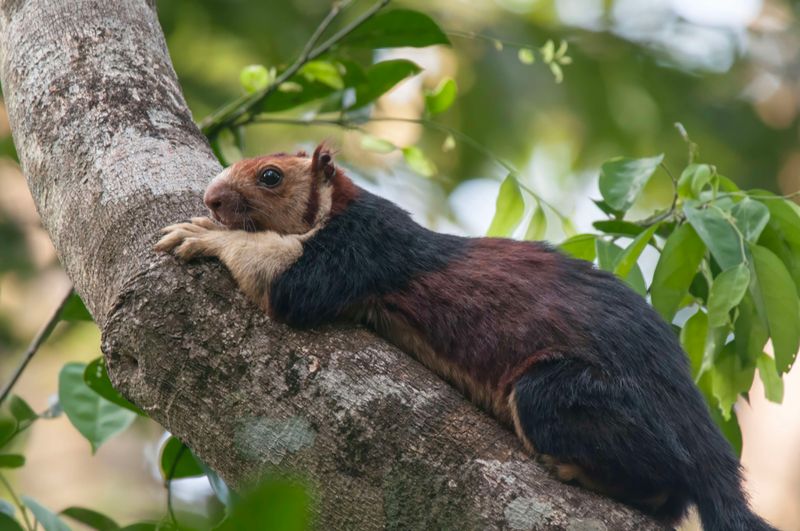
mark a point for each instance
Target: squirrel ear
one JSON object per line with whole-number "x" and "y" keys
{"x": 322, "y": 161}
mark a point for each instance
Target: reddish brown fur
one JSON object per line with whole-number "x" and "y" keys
{"x": 441, "y": 304}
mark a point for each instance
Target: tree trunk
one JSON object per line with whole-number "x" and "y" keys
{"x": 111, "y": 155}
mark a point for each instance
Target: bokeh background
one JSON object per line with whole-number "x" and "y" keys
{"x": 728, "y": 70}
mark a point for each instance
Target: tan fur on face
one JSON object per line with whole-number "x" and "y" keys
{"x": 283, "y": 208}
{"x": 253, "y": 258}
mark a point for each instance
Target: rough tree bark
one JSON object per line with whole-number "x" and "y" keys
{"x": 111, "y": 155}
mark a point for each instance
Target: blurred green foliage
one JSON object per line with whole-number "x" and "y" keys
{"x": 518, "y": 78}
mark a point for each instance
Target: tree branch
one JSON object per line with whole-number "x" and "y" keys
{"x": 111, "y": 155}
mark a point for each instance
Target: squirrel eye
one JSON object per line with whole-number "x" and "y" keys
{"x": 270, "y": 177}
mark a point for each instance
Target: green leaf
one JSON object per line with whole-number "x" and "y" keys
{"x": 693, "y": 179}
{"x": 91, "y": 518}
{"x": 142, "y": 526}
{"x": 693, "y": 341}
{"x": 400, "y": 27}
{"x": 782, "y": 235}
{"x": 618, "y": 227}
{"x": 21, "y": 410}
{"x": 750, "y": 330}
{"x": 12, "y": 461}
{"x": 729, "y": 378}
{"x": 726, "y": 292}
{"x": 75, "y": 310}
{"x": 581, "y": 246}
{"x": 442, "y": 98}
{"x": 682, "y": 254}
{"x": 96, "y": 377}
{"x": 509, "y": 208}
{"x": 93, "y": 416}
{"x": 628, "y": 258}
{"x": 777, "y": 305}
{"x": 275, "y": 504}
{"x": 49, "y": 520}
{"x": 324, "y": 72}
{"x": 381, "y": 78}
{"x": 622, "y": 180}
{"x": 418, "y": 161}
{"x": 7, "y": 523}
{"x": 773, "y": 383}
{"x": 717, "y": 232}
{"x": 751, "y": 218}
{"x": 254, "y": 78}
{"x": 176, "y": 454}
{"x": 378, "y": 145}
{"x": 526, "y": 56}
{"x": 8, "y": 428}
{"x": 294, "y": 93}
{"x": 538, "y": 225}
{"x": 607, "y": 255}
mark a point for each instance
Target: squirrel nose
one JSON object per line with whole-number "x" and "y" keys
{"x": 216, "y": 195}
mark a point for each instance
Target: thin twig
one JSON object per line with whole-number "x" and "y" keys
{"x": 229, "y": 114}
{"x": 40, "y": 338}
{"x": 17, "y": 502}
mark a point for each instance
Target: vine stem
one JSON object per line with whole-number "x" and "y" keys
{"x": 17, "y": 502}
{"x": 355, "y": 124}
{"x": 229, "y": 114}
{"x": 41, "y": 337}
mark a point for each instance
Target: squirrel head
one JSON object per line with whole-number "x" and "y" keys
{"x": 288, "y": 194}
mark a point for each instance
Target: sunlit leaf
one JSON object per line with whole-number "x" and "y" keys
{"x": 449, "y": 143}
{"x": 177, "y": 461}
{"x": 750, "y": 330}
{"x": 48, "y": 520}
{"x": 526, "y": 56}
{"x": 254, "y": 78}
{"x": 693, "y": 340}
{"x": 93, "y": 416}
{"x": 717, "y": 232}
{"x": 538, "y": 225}
{"x": 91, "y": 518}
{"x": 323, "y": 72}
{"x": 400, "y": 27}
{"x": 677, "y": 265}
{"x": 509, "y": 208}
{"x": 607, "y": 255}
{"x": 580, "y": 246}
{"x": 96, "y": 377}
{"x": 441, "y": 98}
{"x": 751, "y": 218}
{"x": 548, "y": 51}
{"x": 627, "y": 259}
{"x": 726, "y": 292}
{"x": 418, "y": 161}
{"x": 622, "y": 180}
{"x": 693, "y": 179}
{"x": 777, "y": 305}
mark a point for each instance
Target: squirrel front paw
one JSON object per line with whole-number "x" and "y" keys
{"x": 189, "y": 240}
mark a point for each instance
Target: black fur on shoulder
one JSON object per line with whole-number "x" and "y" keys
{"x": 373, "y": 247}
